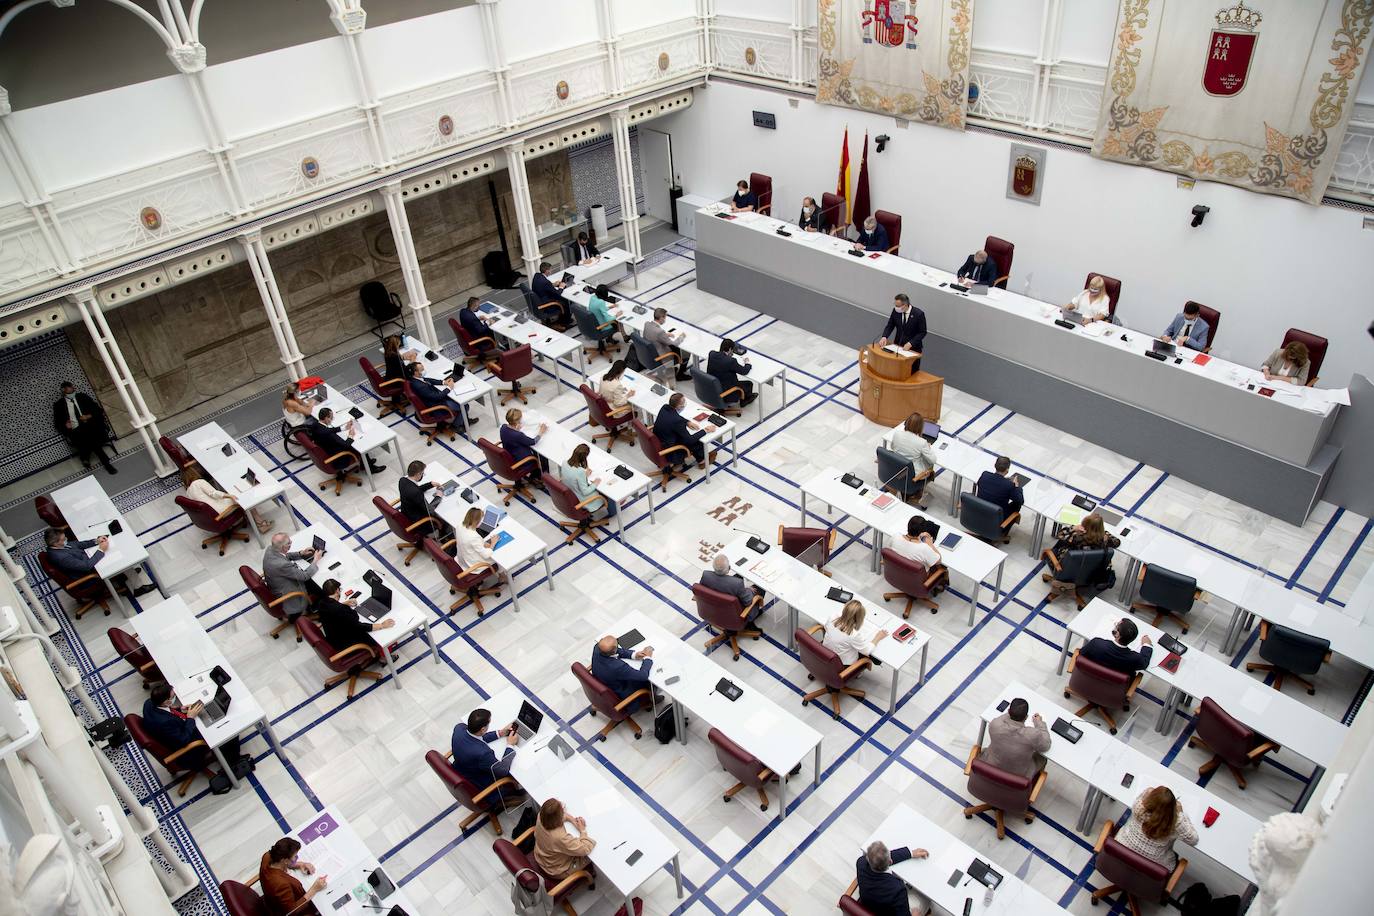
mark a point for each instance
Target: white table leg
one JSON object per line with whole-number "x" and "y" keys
{"x": 734, "y": 447}
{"x": 367, "y": 472}
{"x": 257, "y": 535}
{"x": 429, "y": 638}
{"x": 157, "y": 580}
{"x": 782, "y": 796}
{"x": 548, "y": 572}
{"x": 400, "y": 458}
{"x": 1064, "y": 652}
{"x": 677, "y": 866}
{"x": 892, "y": 694}
{"x": 649, "y": 492}
{"x": 997, "y": 587}
{"x": 619, "y": 523}
{"x": 956, "y": 483}
{"x": 390, "y": 664}
{"x": 973, "y": 602}
{"x": 514, "y": 596}
{"x": 793, "y": 621}
{"x": 803, "y": 508}
{"x": 290, "y": 511}
{"x": 491, "y": 402}
{"x": 925, "y": 651}
{"x": 119, "y": 601}
{"x": 224, "y": 765}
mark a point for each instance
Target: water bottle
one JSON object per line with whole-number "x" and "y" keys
{"x": 987, "y": 896}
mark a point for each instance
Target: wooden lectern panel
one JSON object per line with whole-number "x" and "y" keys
{"x": 888, "y": 401}
{"x": 887, "y": 364}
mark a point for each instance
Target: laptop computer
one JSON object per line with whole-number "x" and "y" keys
{"x": 379, "y": 605}
{"x": 1072, "y": 316}
{"x": 1109, "y": 517}
{"x": 567, "y": 277}
{"x": 490, "y": 519}
{"x": 528, "y": 720}
{"x": 978, "y": 289}
{"x": 930, "y": 431}
{"x": 1164, "y": 347}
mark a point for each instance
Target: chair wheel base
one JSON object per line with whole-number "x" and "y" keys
{"x": 637, "y": 736}
{"x": 806, "y": 702}
{"x": 1112, "y": 730}
{"x": 725, "y": 798}
{"x": 763, "y": 807}
{"x": 1067, "y": 694}
{"x": 1310, "y": 693}
{"x": 968, "y": 817}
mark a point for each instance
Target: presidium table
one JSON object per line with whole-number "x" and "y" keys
{"x": 1201, "y": 418}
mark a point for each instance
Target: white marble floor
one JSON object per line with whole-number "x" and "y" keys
{"x": 366, "y": 755}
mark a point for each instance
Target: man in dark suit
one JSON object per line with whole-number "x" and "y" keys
{"x": 724, "y": 366}
{"x": 174, "y": 726}
{"x": 999, "y": 489}
{"x": 672, "y": 428}
{"x": 720, "y": 578}
{"x": 70, "y": 559}
{"x": 475, "y": 326}
{"x": 546, "y": 291}
{"x": 474, "y": 758}
{"x": 905, "y": 328}
{"x": 1116, "y": 653}
{"x": 872, "y": 237}
{"x": 609, "y": 666}
{"x": 584, "y": 249}
{"x": 81, "y": 422}
{"x": 812, "y": 219}
{"x": 979, "y": 268}
{"x": 414, "y": 505}
{"x": 284, "y": 575}
{"x": 432, "y": 395}
{"x": 329, "y": 440}
{"x": 880, "y": 891}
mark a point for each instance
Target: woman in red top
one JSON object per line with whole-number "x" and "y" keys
{"x": 282, "y": 892}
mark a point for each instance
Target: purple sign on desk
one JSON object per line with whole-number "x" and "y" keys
{"x": 323, "y": 825}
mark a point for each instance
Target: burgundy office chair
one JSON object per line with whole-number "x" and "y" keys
{"x": 1112, "y": 286}
{"x": 519, "y": 473}
{"x": 815, "y": 543}
{"x": 656, "y": 453}
{"x": 1101, "y": 686}
{"x": 88, "y": 591}
{"x": 1213, "y": 319}
{"x": 1132, "y": 874}
{"x": 435, "y": 421}
{"x": 762, "y": 187}
{"x": 410, "y": 533}
{"x": 51, "y": 515}
{"x": 476, "y": 350}
{"x": 913, "y": 581}
{"x": 742, "y": 765}
{"x": 1231, "y": 741}
{"x": 1001, "y": 252}
{"x": 511, "y": 366}
{"x": 132, "y": 651}
{"x": 176, "y": 760}
{"x": 1316, "y": 351}
{"x": 242, "y": 900}
{"x": 179, "y": 456}
{"x": 338, "y": 468}
{"x": 223, "y": 526}
{"x": 270, "y": 601}
{"x": 604, "y": 700}
{"x": 1001, "y": 792}
{"x": 466, "y": 583}
{"x": 465, "y": 793}
{"x": 822, "y": 664}
{"x": 849, "y": 904}
{"x": 615, "y": 422}
{"x": 349, "y": 661}
{"x": 892, "y": 222}
{"x": 525, "y": 870}
{"x": 833, "y": 209}
{"x": 579, "y": 514}
{"x": 390, "y": 392}
{"x": 723, "y": 613}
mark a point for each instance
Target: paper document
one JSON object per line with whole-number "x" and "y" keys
{"x": 1302, "y": 616}
{"x": 462, "y": 386}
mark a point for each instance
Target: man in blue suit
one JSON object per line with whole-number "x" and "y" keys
{"x": 546, "y": 291}
{"x": 880, "y": 891}
{"x": 1188, "y": 329}
{"x": 872, "y": 237}
{"x": 471, "y": 321}
{"x": 174, "y": 726}
{"x": 474, "y": 758}
{"x": 70, "y": 559}
{"x": 999, "y": 489}
{"x": 724, "y": 365}
{"x": 672, "y": 428}
{"x": 609, "y": 666}
{"x": 905, "y": 328}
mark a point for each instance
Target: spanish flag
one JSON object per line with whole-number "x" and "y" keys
{"x": 842, "y": 187}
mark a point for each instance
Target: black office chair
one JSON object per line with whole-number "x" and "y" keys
{"x": 382, "y": 306}
{"x": 983, "y": 519}
{"x": 542, "y": 312}
{"x": 1079, "y": 569}
{"x": 710, "y": 393}
{"x": 897, "y": 474}
{"x": 1290, "y": 654}
{"x": 1166, "y": 594}
{"x": 594, "y": 334}
{"x": 650, "y": 363}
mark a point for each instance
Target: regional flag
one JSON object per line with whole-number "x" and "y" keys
{"x": 842, "y": 187}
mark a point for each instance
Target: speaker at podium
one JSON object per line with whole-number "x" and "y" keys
{"x": 889, "y": 392}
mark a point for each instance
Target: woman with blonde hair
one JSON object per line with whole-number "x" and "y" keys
{"x": 199, "y": 489}
{"x": 1157, "y": 822}
{"x": 842, "y": 635}
{"x": 472, "y": 547}
{"x": 1093, "y": 303}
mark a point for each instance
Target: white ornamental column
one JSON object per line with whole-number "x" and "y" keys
{"x": 706, "y": 11}
{"x": 410, "y": 264}
{"x": 625, "y": 179}
{"x": 37, "y": 617}
{"x": 799, "y": 15}
{"x": 272, "y": 303}
{"x": 524, "y": 210}
{"x": 496, "y": 61}
{"x": 189, "y": 58}
{"x": 350, "y": 18}
{"x": 108, "y": 348}
{"x": 33, "y": 197}
{"x": 610, "y": 46}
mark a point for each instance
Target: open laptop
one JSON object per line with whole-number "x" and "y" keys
{"x": 528, "y": 720}
{"x": 1109, "y": 517}
{"x": 490, "y": 519}
{"x": 978, "y": 289}
{"x": 1072, "y": 316}
{"x": 1164, "y": 347}
{"x": 930, "y": 431}
{"x": 379, "y": 605}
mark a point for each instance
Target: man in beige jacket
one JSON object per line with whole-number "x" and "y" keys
{"x": 1015, "y": 746}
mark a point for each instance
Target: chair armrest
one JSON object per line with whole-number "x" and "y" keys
{"x": 427, "y": 518}
{"x": 228, "y": 512}
{"x": 811, "y": 631}
{"x": 1002, "y": 279}
{"x": 475, "y": 568}
{"x": 1048, "y": 556}
{"x": 333, "y": 458}
{"x": 1072, "y": 659}
{"x": 562, "y": 886}
{"x": 529, "y": 831}
{"x": 443, "y": 407}
{"x": 353, "y": 648}
{"x": 390, "y": 383}
{"x": 1264, "y": 628}
{"x": 894, "y": 248}
{"x": 89, "y": 576}
{"x": 594, "y": 498}
{"x": 477, "y": 340}
{"x": 855, "y": 668}
{"x": 673, "y": 448}
{"x": 1261, "y": 749}
{"x": 295, "y": 594}
{"x": 1011, "y": 520}
{"x": 927, "y": 474}
{"x": 972, "y": 756}
{"x": 765, "y": 774}
{"x": 551, "y": 304}
{"x": 620, "y": 411}
{"x": 1135, "y": 684}
{"x": 853, "y": 886}
{"x": 534, "y": 458}
{"x": 1174, "y": 878}
{"x": 503, "y": 781}
{"x": 735, "y": 389}
{"x": 669, "y": 355}
{"x": 1311, "y": 383}
{"x": 602, "y": 327}
{"x": 1039, "y": 784}
{"x": 639, "y": 694}
{"x": 1102, "y": 836}
{"x": 750, "y": 606}
{"x": 177, "y": 753}
{"x": 147, "y": 665}
{"x": 935, "y": 575}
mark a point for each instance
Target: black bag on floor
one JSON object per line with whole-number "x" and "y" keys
{"x": 526, "y": 822}
{"x": 665, "y": 729}
{"x": 1198, "y": 901}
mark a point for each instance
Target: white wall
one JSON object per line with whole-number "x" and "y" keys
{"x": 1257, "y": 258}
{"x": 530, "y": 28}
{"x": 258, "y": 93}
{"x": 633, "y": 15}
{"x": 417, "y": 52}
{"x": 771, "y": 10}
{"x": 1012, "y": 26}
{"x": 1087, "y": 31}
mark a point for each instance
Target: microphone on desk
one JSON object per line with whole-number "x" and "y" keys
{"x": 755, "y": 542}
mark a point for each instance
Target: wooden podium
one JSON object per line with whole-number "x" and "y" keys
{"x": 889, "y": 393}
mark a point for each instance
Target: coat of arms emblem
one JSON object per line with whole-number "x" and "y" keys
{"x": 891, "y": 23}
{"x": 1230, "y": 50}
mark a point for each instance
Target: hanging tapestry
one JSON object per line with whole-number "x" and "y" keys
{"x": 907, "y": 58}
{"x": 1257, "y": 94}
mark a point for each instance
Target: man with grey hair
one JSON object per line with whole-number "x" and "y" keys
{"x": 872, "y": 237}
{"x": 721, "y": 579}
{"x": 284, "y": 576}
{"x": 978, "y": 268}
{"x": 880, "y": 891}
{"x": 665, "y": 342}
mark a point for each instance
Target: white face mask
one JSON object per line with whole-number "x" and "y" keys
{"x": 808, "y": 210}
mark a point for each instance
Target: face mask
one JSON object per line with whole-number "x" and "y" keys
{"x": 808, "y": 210}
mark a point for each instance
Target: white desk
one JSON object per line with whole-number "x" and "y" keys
{"x": 619, "y": 828}
{"x": 754, "y": 722}
{"x": 518, "y": 328}
{"x": 971, "y": 557}
{"x": 648, "y": 403}
{"x": 206, "y": 445}
{"x": 331, "y": 844}
{"x": 465, "y": 390}
{"x": 185, "y": 653}
{"x": 804, "y": 590}
{"x": 522, "y": 547}
{"x": 609, "y": 267}
{"x": 1103, "y": 762}
{"x": 368, "y": 433}
{"x": 89, "y": 511}
{"x": 343, "y": 564}
{"x": 557, "y": 444}
{"x": 1266, "y": 597}
{"x": 930, "y": 876}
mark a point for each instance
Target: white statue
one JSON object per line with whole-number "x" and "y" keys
{"x": 1277, "y": 853}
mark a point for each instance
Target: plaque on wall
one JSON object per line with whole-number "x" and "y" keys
{"x": 663, "y": 61}
{"x": 310, "y": 167}
{"x": 150, "y": 218}
{"x": 445, "y": 126}
{"x": 750, "y": 56}
{"x": 561, "y": 90}
{"x": 1026, "y": 173}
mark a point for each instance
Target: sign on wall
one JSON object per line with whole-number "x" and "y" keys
{"x": 1026, "y": 172}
